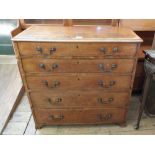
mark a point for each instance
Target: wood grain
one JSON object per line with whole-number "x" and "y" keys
{"x": 76, "y": 99}
{"x": 78, "y": 61}
{"x": 79, "y": 116}
{"x": 138, "y": 24}
{"x": 79, "y": 82}
{"x": 42, "y": 65}
{"x": 77, "y": 34}
{"x": 77, "y": 49}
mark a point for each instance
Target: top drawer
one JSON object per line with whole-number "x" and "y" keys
{"x": 77, "y": 49}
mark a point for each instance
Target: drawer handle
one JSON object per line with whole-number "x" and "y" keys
{"x": 54, "y": 84}
{"x": 113, "y": 66}
{"x": 111, "y": 83}
{"x": 52, "y": 50}
{"x": 115, "y": 50}
{"x": 104, "y": 117}
{"x": 103, "y": 50}
{"x": 55, "y": 65}
{"x": 102, "y": 68}
{"x": 56, "y": 117}
{"x": 101, "y": 100}
{"x": 42, "y": 66}
{"x": 39, "y": 50}
{"x": 57, "y": 101}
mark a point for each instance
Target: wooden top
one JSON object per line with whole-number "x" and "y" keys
{"x": 138, "y": 24}
{"x": 77, "y": 34}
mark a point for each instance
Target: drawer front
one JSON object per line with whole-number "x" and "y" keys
{"x": 76, "y": 49}
{"x": 45, "y": 49}
{"x": 81, "y": 116}
{"x": 76, "y": 82}
{"x": 79, "y": 66}
{"x": 79, "y": 99}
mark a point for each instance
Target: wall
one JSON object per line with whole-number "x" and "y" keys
{"x": 6, "y": 26}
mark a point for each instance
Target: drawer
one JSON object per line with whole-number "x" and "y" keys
{"x": 79, "y": 116}
{"x": 79, "y": 81}
{"x": 79, "y": 99}
{"x": 78, "y": 66}
{"x": 76, "y": 49}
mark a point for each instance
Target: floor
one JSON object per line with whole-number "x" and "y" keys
{"x": 10, "y": 88}
{"x": 22, "y": 123}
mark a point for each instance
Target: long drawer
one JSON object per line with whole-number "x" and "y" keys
{"x": 77, "y": 65}
{"x": 79, "y": 116}
{"x": 79, "y": 81}
{"x": 76, "y": 49}
{"x": 79, "y": 99}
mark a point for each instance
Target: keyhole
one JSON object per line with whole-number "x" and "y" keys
{"x": 77, "y": 46}
{"x": 78, "y": 78}
{"x": 78, "y": 62}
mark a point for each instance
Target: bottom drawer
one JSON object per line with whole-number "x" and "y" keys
{"x": 79, "y": 116}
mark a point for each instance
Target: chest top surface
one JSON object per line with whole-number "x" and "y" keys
{"x": 77, "y": 34}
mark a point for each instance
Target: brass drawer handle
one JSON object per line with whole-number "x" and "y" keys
{"x": 54, "y": 66}
{"x": 56, "y": 117}
{"x": 39, "y": 50}
{"x": 56, "y": 102}
{"x": 102, "y": 84}
{"x": 101, "y": 100}
{"x": 115, "y": 50}
{"x": 102, "y": 68}
{"x": 112, "y": 83}
{"x": 52, "y": 50}
{"x": 103, "y": 50}
{"x": 54, "y": 84}
{"x": 104, "y": 117}
{"x": 114, "y": 66}
{"x": 42, "y": 66}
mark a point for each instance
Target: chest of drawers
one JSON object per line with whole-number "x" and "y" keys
{"x": 77, "y": 75}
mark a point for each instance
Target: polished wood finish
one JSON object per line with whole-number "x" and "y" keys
{"x": 61, "y": 99}
{"x": 79, "y": 82}
{"x": 79, "y": 116}
{"x": 112, "y": 22}
{"x": 42, "y": 65}
{"x": 77, "y": 34}
{"x": 138, "y": 24}
{"x": 25, "y": 23}
{"x": 77, "y": 49}
{"x": 79, "y": 74}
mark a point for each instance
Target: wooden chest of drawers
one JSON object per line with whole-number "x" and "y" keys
{"x": 77, "y": 75}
